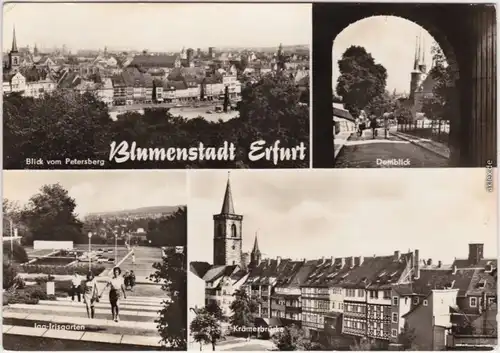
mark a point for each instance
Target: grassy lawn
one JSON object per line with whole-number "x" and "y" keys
{"x": 24, "y": 343}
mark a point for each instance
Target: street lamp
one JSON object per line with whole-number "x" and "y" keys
{"x": 90, "y": 247}
{"x": 116, "y": 246}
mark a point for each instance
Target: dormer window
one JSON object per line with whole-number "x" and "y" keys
{"x": 481, "y": 284}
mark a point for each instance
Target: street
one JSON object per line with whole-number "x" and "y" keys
{"x": 364, "y": 152}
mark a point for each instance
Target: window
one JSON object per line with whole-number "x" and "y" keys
{"x": 394, "y": 317}
{"x": 426, "y": 302}
{"x": 473, "y": 302}
{"x": 361, "y": 293}
{"x": 491, "y": 300}
{"x": 395, "y": 300}
{"x": 415, "y": 300}
{"x": 394, "y": 332}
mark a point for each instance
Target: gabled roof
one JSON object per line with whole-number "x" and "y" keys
{"x": 199, "y": 268}
{"x": 441, "y": 279}
{"x": 216, "y": 272}
{"x": 154, "y": 60}
{"x": 466, "y": 263}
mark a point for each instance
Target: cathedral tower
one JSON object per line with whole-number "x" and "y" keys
{"x": 14, "y": 57}
{"x": 228, "y": 233}
{"x": 417, "y": 75}
{"x": 255, "y": 256}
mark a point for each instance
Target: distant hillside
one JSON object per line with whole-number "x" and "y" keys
{"x": 136, "y": 211}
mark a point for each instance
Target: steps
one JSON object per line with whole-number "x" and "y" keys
{"x": 64, "y": 319}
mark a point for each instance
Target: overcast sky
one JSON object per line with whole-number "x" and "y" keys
{"x": 391, "y": 41}
{"x": 310, "y": 214}
{"x": 101, "y": 191}
{"x": 157, "y": 27}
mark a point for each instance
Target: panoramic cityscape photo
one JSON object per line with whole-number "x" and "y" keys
{"x": 220, "y": 93}
{"x": 78, "y": 244}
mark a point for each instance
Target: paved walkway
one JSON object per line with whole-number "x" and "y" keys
{"x": 236, "y": 344}
{"x": 64, "y": 319}
{"x": 395, "y": 151}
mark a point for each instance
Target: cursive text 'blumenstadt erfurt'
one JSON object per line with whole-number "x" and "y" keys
{"x": 123, "y": 152}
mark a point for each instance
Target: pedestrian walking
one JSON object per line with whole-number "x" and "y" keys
{"x": 374, "y": 125}
{"x": 116, "y": 288}
{"x": 133, "y": 258}
{"x": 90, "y": 294}
{"x": 76, "y": 283}
{"x": 126, "y": 279}
{"x": 132, "y": 280}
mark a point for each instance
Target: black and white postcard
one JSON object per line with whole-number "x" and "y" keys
{"x": 94, "y": 261}
{"x": 156, "y": 85}
{"x": 350, "y": 260}
{"x": 404, "y": 85}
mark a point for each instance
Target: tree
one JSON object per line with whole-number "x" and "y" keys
{"x": 170, "y": 230}
{"x": 442, "y": 103}
{"x": 380, "y": 104}
{"x": 9, "y": 275}
{"x": 206, "y": 328}
{"x": 407, "y": 337}
{"x": 18, "y": 253}
{"x": 11, "y": 213}
{"x": 361, "y": 79}
{"x": 292, "y": 338}
{"x": 244, "y": 309}
{"x": 226, "y": 99}
{"x": 364, "y": 344}
{"x": 213, "y": 308}
{"x": 202, "y": 90}
{"x": 60, "y": 125}
{"x": 50, "y": 215}
{"x": 172, "y": 323}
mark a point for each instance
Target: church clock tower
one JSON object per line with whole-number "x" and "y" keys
{"x": 14, "y": 57}
{"x": 228, "y": 233}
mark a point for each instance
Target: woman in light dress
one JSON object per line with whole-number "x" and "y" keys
{"x": 90, "y": 294}
{"x": 116, "y": 288}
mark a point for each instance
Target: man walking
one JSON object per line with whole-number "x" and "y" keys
{"x": 76, "y": 283}
{"x": 374, "y": 125}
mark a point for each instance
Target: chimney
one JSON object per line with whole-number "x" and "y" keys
{"x": 278, "y": 260}
{"x": 322, "y": 260}
{"x": 342, "y": 261}
{"x": 416, "y": 262}
{"x": 454, "y": 270}
{"x": 429, "y": 262}
{"x": 475, "y": 253}
{"x": 361, "y": 260}
{"x": 333, "y": 259}
{"x": 351, "y": 262}
{"x": 440, "y": 264}
{"x": 396, "y": 255}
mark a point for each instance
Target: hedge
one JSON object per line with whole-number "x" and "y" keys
{"x": 28, "y": 295}
{"x": 81, "y": 269}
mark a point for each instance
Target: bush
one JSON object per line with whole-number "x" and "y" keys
{"x": 18, "y": 252}
{"x": 81, "y": 269}
{"x": 28, "y": 295}
{"x": 9, "y": 275}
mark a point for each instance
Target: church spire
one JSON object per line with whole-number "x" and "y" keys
{"x": 417, "y": 54}
{"x": 255, "y": 245}
{"x": 423, "y": 50}
{"x": 227, "y": 204}
{"x": 14, "y": 41}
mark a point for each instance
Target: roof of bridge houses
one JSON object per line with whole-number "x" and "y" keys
{"x": 377, "y": 272}
{"x": 272, "y": 269}
{"x": 328, "y": 272}
{"x": 216, "y": 272}
{"x": 199, "y": 268}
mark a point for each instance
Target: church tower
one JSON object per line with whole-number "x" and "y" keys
{"x": 14, "y": 57}
{"x": 419, "y": 68}
{"x": 255, "y": 256}
{"x": 228, "y": 233}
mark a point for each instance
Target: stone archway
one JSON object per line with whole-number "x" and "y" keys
{"x": 467, "y": 35}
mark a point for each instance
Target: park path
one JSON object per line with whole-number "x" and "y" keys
{"x": 365, "y": 152}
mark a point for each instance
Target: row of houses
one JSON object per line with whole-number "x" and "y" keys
{"x": 341, "y": 298}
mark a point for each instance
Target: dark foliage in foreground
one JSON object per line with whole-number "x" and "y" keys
{"x": 70, "y": 125}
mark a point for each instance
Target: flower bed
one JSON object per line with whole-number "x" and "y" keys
{"x": 27, "y": 295}
{"x": 61, "y": 261}
{"x": 61, "y": 270}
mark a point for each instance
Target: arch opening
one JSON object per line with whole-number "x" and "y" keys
{"x": 393, "y": 81}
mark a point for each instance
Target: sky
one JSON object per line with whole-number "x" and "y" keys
{"x": 156, "y": 27}
{"x": 101, "y": 191}
{"x": 315, "y": 213}
{"x": 391, "y": 41}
